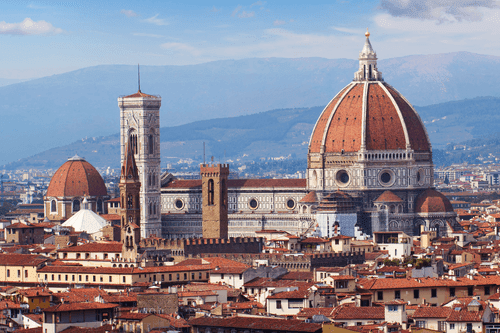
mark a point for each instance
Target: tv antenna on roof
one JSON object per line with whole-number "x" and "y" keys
{"x": 139, "y": 77}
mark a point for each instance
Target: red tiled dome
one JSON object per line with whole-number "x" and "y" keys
{"x": 76, "y": 177}
{"x": 431, "y": 201}
{"x": 390, "y": 122}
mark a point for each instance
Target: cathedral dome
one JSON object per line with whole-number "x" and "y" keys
{"x": 431, "y": 201}
{"x": 368, "y": 115}
{"x": 76, "y": 177}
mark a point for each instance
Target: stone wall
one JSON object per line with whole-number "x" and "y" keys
{"x": 167, "y": 303}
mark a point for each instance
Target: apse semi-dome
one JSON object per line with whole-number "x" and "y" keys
{"x": 432, "y": 201}
{"x": 76, "y": 177}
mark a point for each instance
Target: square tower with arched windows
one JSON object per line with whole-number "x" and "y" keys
{"x": 214, "y": 200}
{"x": 140, "y": 125}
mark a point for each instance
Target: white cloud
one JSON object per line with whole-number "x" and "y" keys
{"x": 236, "y": 10}
{"x": 129, "y": 13}
{"x": 181, "y": 47}
{"x": 438, "y": 10}
{"x": 156, "y": 20}
{"x": 245, "y": 14}
{"x": 488, "y": 25}
{"x": 140, "y": 34}
{"x": 29, "y": 27}
{"x": 349, "y": 31}
{"x": 279, "y": 22}
{"x": 258, "y": 3}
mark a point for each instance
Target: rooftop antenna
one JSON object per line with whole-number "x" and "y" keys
{"x": 139, "y": 77}
{"x": 203, "y": 152}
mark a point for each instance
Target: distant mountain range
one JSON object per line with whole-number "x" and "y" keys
{"x": 276, "y": 133}
{"x": 54, "y": 111}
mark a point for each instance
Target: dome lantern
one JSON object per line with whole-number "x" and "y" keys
{"x": 367, "y": 63}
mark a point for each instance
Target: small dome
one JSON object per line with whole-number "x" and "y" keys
{"x": 432, "y": 201}
{"x": 86, "y": 220}
{"x": 76, "y": 177}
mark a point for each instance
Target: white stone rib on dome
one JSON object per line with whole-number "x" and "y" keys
{"x": 86, "y": 220}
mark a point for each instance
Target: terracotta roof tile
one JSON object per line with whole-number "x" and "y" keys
{"x": 365, "y": 312}
{"x": 65, "y": 307}
{"x": 254, "y": 324}
{"x": 432, "y": 201}
{"x": 388, "y": 196}
{"x": 104, "y": 247}
{"x": 310, "y": 197}
{"x": 383, "y": 125}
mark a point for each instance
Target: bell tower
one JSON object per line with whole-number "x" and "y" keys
{"x": 140, "y": 127}
{"x": 214, "y": 200}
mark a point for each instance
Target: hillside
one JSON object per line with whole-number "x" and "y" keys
{"x": 60, "y": 109}
{"x": 283, "y": 132}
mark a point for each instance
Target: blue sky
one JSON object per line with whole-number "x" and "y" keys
{"x": 40, "y": 38}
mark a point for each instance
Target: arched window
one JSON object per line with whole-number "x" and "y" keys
{"x": 150, "y": 208}
{"x": 99, "y": 205}
{"x": 130, "y": 202}
{"x": 369, "y": 71}
{"x": 76, "y": 205}
{"x": 314, "y": 179}
{"x": 211, "y": 191}
{"x": 150, "y": 180}
{"x": 154, "y": 209}
{"x": 53, "y": 206}
{"x": 133, "y": 141}
{"x": 364, "y": 71}
{"x": 123, "y": 201}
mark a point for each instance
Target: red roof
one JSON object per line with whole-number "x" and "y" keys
{"x": 365, "y": 312}
{"x": 95, "y": 247}
{"x": 432, "y": 201}
{"x": 310, "y": 198}
{"x": 14, "y": 259}
{"x": 388, "y": 196}
{"x": 139, "y": 94}
{"x": 79, "y": 306}
{"x": 254, "y": 324}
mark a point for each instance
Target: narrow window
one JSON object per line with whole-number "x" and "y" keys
{"x": 76, "y": 205}
{"x": 99, "y": 205}
{"x": 151, "y": 144}
{"x": 210, "y": 191}
{"x": 53, "y": 207}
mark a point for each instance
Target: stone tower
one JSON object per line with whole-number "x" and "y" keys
{"x": 130, "y": 212}
{"x": 140, "y": 126}
{"x": 214, "y": 200}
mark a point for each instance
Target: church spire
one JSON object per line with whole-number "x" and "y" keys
{"x": 368, "y": 63}
{"x": 129, "y": 168}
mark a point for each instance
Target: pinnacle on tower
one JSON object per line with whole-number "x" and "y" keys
{"x": 129, "y": 168}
